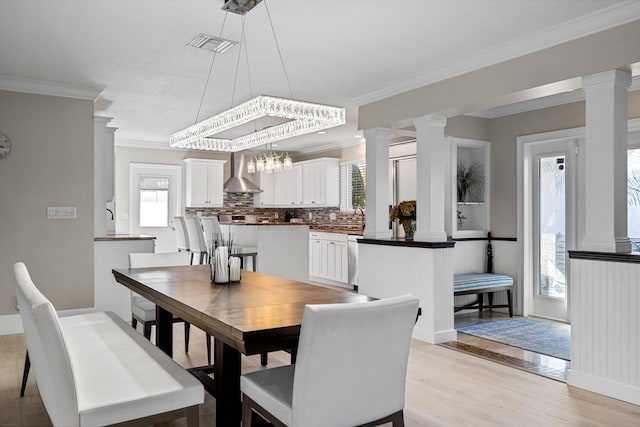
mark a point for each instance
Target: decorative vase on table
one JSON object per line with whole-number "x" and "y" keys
{"x": 405, "y": 213}
{"x": 409, "y": 229}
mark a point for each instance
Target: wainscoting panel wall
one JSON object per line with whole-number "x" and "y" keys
{"x": 427, "y": 273}
{"x": 605, "y": 333}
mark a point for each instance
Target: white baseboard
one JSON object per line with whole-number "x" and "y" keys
{"x": 434, "y": 337}
{"x": 620, "y": 391}
{"x": 11, "y": 324}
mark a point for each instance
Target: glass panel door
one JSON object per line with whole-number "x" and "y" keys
{"x": 552, "y": 235}
{"x": 552, "y": 185}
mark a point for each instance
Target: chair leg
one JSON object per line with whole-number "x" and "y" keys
{"x": 398, "y": 419}
{"x": 480, "y": 300}
{"x": 191, "y": 258}
{"x": 25, "y": 374}
{"x": 202, "y": 254}
{"x": 263, "y": 359}
{"x": 246, "y": 411}
{"x": 490, "y": 301}
{"x": 510, "y": 302}
{"x": 187, "y": 329}
{"x": 147, "y": 330}
{"x": 208, "y": 349}
{"x": 193, "y": 416}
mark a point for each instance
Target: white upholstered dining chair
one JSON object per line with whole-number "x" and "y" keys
{"x": 196, "y": 239}
{"x": 143, "y": 310}
{"x": 181, "y": 233}
{"x": 350, "y": 370}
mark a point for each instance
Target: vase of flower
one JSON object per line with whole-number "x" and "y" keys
{"x": 405, "y": 213}
{"x": 409, "y": 229}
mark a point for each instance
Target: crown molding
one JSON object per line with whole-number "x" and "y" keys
{"x": 153, "y": 145}
{"x": 540, "y": 103}
{"x": 16, "y": 84}
{"x": 577, "y": 28}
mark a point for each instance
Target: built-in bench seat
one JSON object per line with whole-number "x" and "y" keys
{"x": 483, "y": 283}
{"x": 97, "y": 370}
{"x": 480, "y": 284}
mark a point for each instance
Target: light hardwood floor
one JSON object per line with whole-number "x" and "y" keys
{"x": 444, "y": 388}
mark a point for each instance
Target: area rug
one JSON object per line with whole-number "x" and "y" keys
{"x": 540, "y": 336}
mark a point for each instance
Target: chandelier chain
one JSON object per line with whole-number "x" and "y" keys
{"x": 235, "y": 79}
{"x": 206, "y": 85}
{"x": 286, "y": 76}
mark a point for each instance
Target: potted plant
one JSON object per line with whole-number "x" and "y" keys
{"x": 469, "y": 182}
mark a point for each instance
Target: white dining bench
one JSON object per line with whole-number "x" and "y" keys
{"x": 97, "y": 370}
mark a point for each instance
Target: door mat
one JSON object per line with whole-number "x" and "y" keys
{"x": 540, "y": 336}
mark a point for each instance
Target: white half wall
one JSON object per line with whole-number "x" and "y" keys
{"x": 605, "y": 333}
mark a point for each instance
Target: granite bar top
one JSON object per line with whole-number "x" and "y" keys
{"x": 112, "y": 237}
{"x": 352, "y": 231}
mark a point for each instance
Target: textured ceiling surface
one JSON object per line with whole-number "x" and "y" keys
{"x": 333, "y": 51}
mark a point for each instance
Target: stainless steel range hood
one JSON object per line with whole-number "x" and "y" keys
{"x": 238, "y": 183}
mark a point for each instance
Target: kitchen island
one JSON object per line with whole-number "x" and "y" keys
{"x": 283, "y": 247}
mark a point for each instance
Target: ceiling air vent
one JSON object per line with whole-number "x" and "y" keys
{"x": 214, "y": 44}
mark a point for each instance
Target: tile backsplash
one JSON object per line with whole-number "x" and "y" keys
{"x": 242, "y": 204}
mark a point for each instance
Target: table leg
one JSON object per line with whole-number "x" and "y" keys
{"x": 227, "y": 378}
{"x": 164, "y": 330}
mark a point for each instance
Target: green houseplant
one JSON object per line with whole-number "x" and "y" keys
{"x": 469, "y": 182}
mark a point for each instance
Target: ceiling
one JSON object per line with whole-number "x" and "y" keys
{"x": 338, "y": 52}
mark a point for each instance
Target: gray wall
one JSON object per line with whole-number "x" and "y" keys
{"x": 503, "y": 133}
{"x": 51, "y": 164}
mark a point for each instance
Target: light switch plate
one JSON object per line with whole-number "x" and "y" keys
{"x": 61, "y": 212}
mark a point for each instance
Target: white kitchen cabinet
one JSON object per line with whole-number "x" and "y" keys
{"x": 312, "y": 183}
{"x": 321, "y": 182}
{"x": 288, "y": 187}
{"x": 205, "y": 180}
{"x": 328, "y": 257}
{"x": 267, "y": 184}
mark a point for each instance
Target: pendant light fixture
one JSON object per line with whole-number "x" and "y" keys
{"x": 300, "y": 117}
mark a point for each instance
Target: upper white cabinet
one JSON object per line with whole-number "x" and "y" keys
{"x": 205, "y": 180}
{"x": 321, "y": 182}
{"x": 288, "y": 187}
{"x": 470, "y": 173}
{"x": 312, "y": 183}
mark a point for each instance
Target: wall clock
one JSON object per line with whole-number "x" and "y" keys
{"x": 5, "y": 146}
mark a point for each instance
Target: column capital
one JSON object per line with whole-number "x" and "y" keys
{"x": 611, "y": 77}
{"x": 430, "y": 120}
{"x": 377, "y": 133}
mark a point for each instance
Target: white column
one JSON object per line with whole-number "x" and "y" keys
{"x": 101, "y": 135}
{"x": 606, "y": 161}
{"x": 431, "y": 155}
{"x": 377, "y": 183}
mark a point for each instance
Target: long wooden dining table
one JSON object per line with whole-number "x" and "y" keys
{"x": 261, "y": 313}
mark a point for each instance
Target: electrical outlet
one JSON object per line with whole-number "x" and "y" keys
{"x": 332, "y": 216}
{"x": 310, "y": 215}
{"x": 61, "y": 213}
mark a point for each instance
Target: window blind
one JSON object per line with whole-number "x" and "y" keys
{"x": 353, "y": 185}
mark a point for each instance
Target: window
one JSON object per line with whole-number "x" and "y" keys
{"x": 353, "y": 180}
{"x": 154, "y": 201}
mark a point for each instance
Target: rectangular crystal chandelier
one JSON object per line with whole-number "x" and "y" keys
{"x": 304, "y": 117}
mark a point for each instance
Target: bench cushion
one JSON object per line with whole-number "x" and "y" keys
{"x": 479, "y": 281}
{"x": 120, "y": 375}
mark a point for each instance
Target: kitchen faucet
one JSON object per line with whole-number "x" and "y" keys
{"x": 364, "y": 220}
